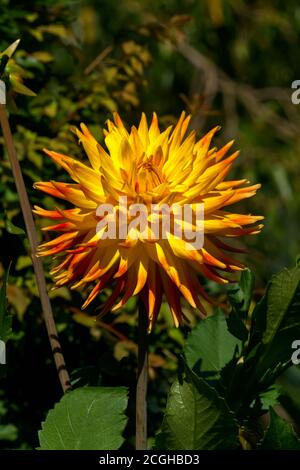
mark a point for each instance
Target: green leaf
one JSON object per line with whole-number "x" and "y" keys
{"x": 11, "y": 49}
{"x": 280, "y": 435}
{"x": 5, "y": 319}
{"x": 19, "y": 87}
{"x": 282, "y": 321}
{"x": 258, "y": 324}
{"x": 23, "y": 262}
{"x": 210, "y": 346}
{"x": 13, "y": 229}
{"x": 240, "y": 294}
{"x": 275, "y": 325}
{"x": 88, "y": 418}
{"x": 236, "y": 326}
{"x": 8, "y": 432}
{"x": 196, "y": 418}
{"x": 270, "y": 397}
{"x": 283, "y": 303}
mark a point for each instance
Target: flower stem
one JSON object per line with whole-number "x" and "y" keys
{"x": 142, "y": 380}
{"x": 33, "y": 242}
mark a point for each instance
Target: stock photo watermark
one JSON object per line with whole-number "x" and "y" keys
{"x": 2, "y": 352}
{"x": 158, "y": 221}
{"x": 2, "y": 92}
{"x": 295, "y": 97}
{"x": 296, "y": 354}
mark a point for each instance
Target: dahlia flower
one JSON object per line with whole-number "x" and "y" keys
{"x": 147, "y": 167}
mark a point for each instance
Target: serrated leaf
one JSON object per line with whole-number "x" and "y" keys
{"x": 196, "y": 418}
{"x": 283, "y": 307}
{"x": 280, "y": 435}
{"x": 270, "y": 397}
{"x": 210, "y": 346}
{"x": 282, "y": 314}
{"x": 88, "y": 418}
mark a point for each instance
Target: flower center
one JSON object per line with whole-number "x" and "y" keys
{"x": 148, "y": 175}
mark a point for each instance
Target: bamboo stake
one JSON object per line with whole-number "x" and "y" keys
{"x": 33, "y": 242}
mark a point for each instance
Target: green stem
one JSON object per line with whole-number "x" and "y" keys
{"x": 142, "y": 380}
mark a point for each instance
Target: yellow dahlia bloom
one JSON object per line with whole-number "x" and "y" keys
{"x": 146, "y": 166}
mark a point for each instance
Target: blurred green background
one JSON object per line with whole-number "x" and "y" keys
{"x": 226, "y": 62}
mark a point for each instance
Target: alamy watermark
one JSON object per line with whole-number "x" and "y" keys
{"x": 296, "y": 354}
{"x": 295, "y": 97}
{"x": 152, "y": 222}
{"x": 2, "y": 352}
{"x": 2, "y": 92}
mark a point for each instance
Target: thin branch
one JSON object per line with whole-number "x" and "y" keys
{"x": 98, "y": 60}
{"x": 253, "y": 100}
{"x": 33, "y": 242}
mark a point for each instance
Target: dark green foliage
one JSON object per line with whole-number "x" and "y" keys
{"x": 243, "y": 381}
